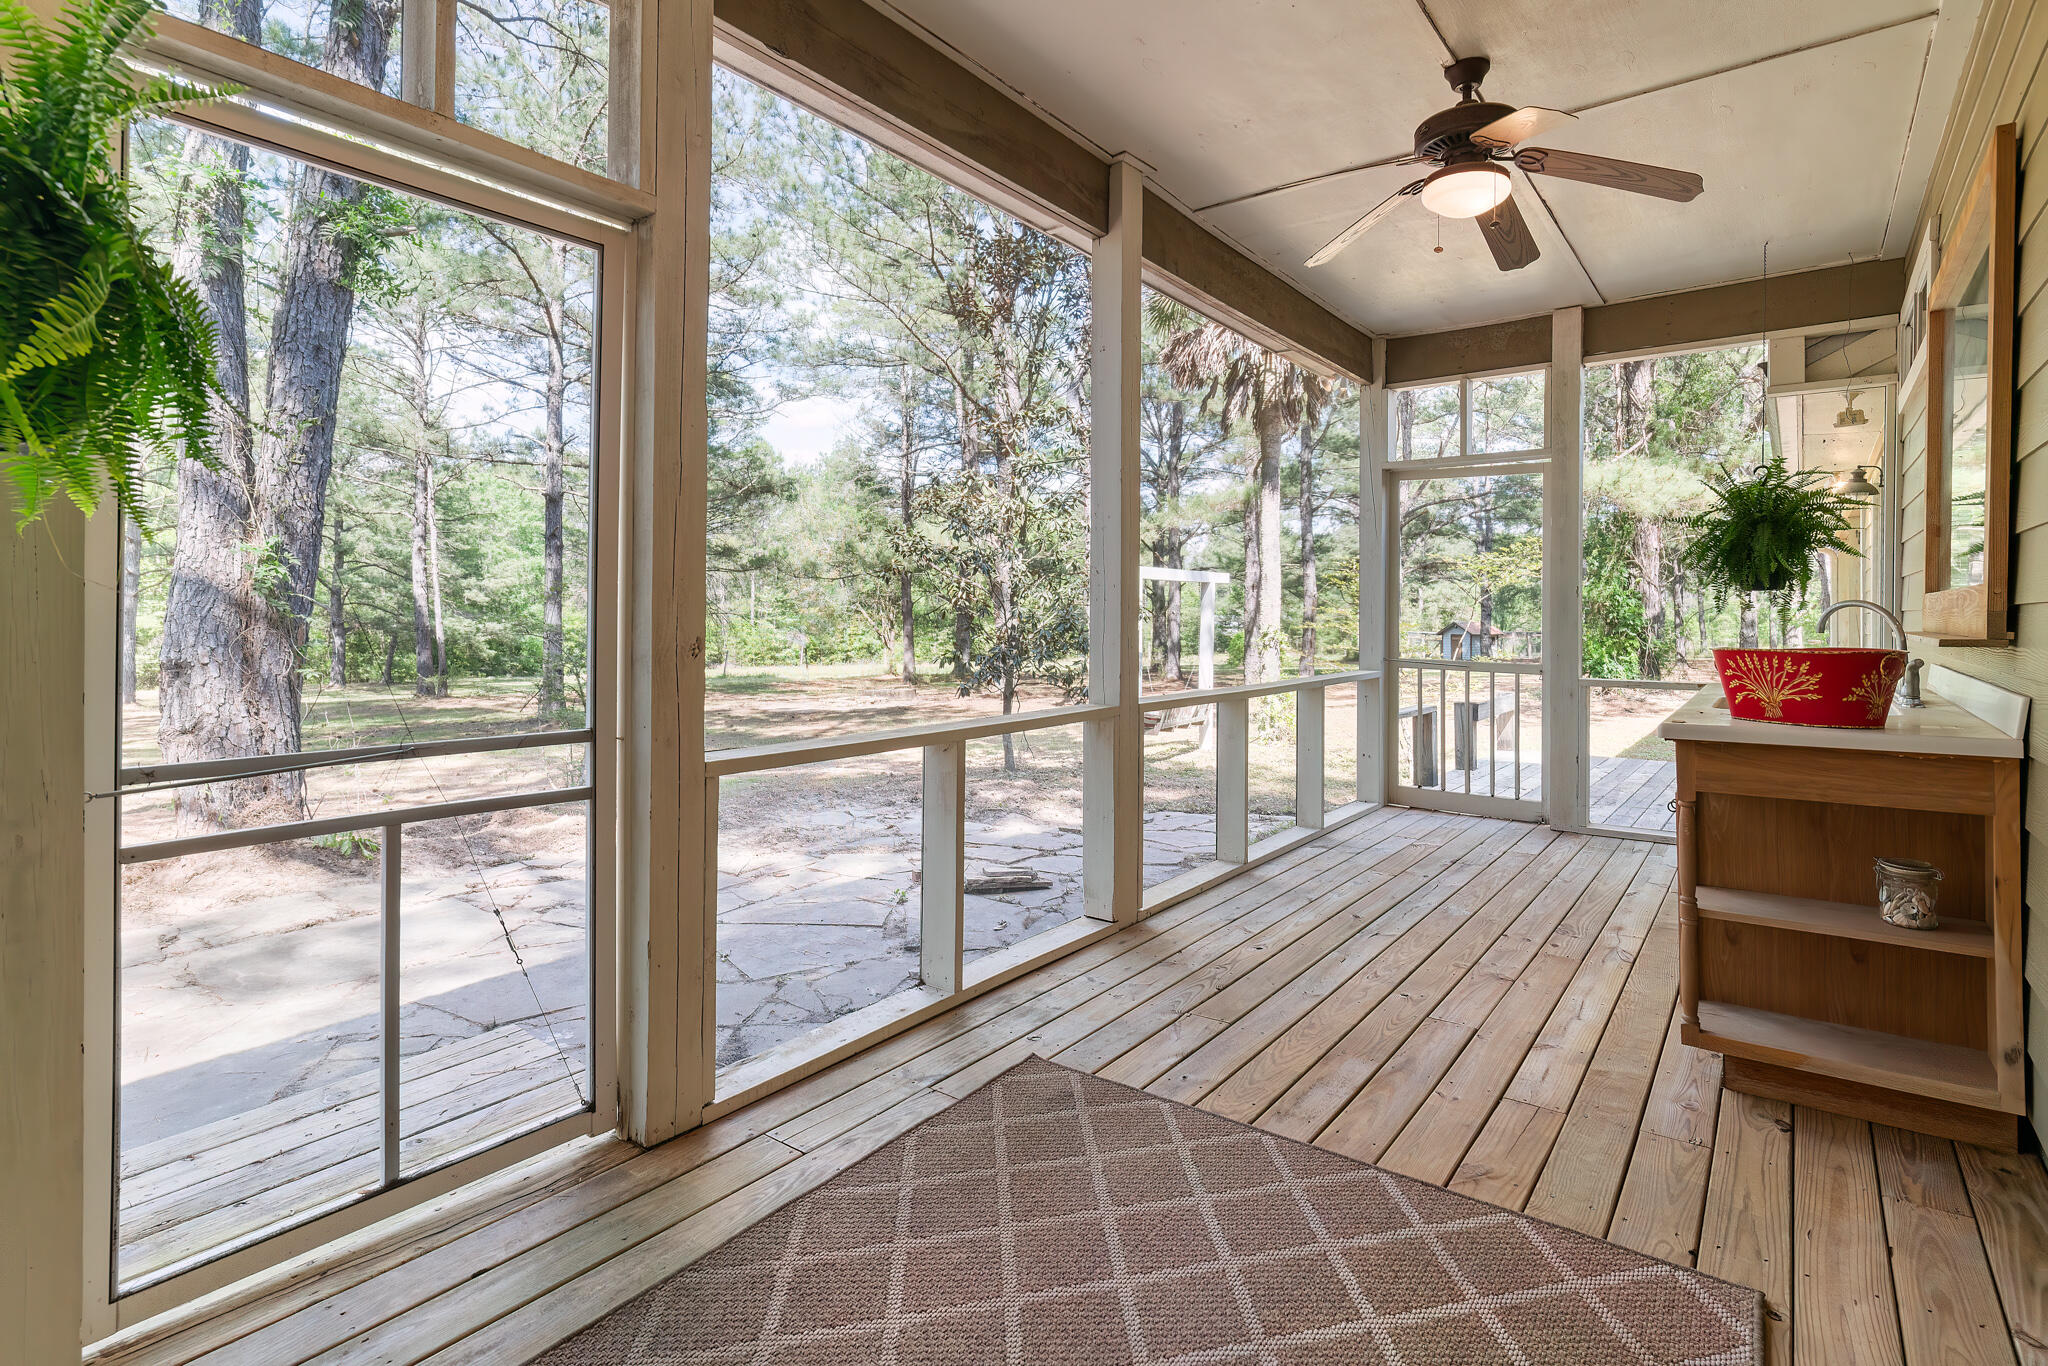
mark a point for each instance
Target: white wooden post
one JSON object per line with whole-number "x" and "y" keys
{"x": 941, "y": 906}
{"x": 43, "y": 1025}
{"x": 390, "y": 994}
{"x": 1113, "y": 754}
{"x": 1376, "y": 547}
{"x": 1564, "y": 712}
{"x": 1233, "y": 779}
{"x": 1205, "y": 667}
{"x": 668, "y": 815}
{"x": 1309, "y": 704}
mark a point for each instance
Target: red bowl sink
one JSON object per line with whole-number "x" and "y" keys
{"x": 1845, "y": 687}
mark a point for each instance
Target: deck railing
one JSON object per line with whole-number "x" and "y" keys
{"x": 1452, "y": 736}
{"x": 241, "y": 1229}
{"x": 945, "y": 979}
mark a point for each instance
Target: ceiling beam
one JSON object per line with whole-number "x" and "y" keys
{"x": 1661, "y": 322}
{"x": 1220, "y": 275}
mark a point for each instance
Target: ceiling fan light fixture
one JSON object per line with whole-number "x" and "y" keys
{"x": 1466, "y": 190}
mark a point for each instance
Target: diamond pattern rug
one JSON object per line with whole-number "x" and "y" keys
{"x": 1052, "y": 1217}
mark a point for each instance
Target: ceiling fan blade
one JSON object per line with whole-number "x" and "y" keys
{"x": 1357, "y": 230}
{"x": 1633, "y": 176}
{"x": 1507, "y": 233}
{"x": 1520, "y": 126}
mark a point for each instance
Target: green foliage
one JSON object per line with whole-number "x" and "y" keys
{"x": 104, "y": 353}
{"x": 1761, "y": 533}
{"x": 1616, "y": 628}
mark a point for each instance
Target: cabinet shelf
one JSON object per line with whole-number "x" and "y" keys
{"x": 1941, "y": 1070}
{"x": 1839, "y": 920}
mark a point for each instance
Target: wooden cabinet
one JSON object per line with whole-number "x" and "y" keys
{"x": 1786, "y": 967}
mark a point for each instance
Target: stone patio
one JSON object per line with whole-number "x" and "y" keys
{"x": 808, "y": 934}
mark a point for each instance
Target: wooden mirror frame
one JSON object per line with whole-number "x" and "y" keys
{"x": 1985, "y": 224}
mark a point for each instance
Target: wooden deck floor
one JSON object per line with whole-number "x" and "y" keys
{"x": 1476, "y": 1003}
{"x": 190, "y": 1192}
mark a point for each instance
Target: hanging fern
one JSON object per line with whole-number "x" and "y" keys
{"x": 105, "y": 355}
{"x": 1763, "y": 530}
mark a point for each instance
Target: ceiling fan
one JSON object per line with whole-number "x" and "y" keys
{"x": 1468, "y": 142}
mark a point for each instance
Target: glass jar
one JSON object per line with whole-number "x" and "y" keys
{"x": 1907, "y": 889}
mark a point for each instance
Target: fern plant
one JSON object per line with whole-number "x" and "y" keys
{"x": 105, "y": 354}
{"x": 1762, "y": 531}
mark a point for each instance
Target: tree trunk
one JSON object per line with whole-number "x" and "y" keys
{"x": 1262, "y": 594}
{"x": 1483, "y": 542}
{"x": 390, "y": 657}
{"x": 1002, "y": 594}
{"x": 434, "y": 579}
{"x": 970, "y": 458}
{"x": 295, "y": 454}
{"x": 424, "y": 671}
{"x": 205, "y": 670}
{"x": 1638, "y": 399}
{"x": 337, "y": 633}
{"x": 1747, "y": 637}
{"x": 131, "y": 595}
{"x": 553, "y": 698}
{"x": 906, "y": 492}
{"x": 1649, "y": 566}
{"x": 1175, "y": 538}
{"x": 1824, "y": 581}
{"x": 1305, "y": 473}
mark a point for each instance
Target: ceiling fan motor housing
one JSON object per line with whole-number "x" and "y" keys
{"x": 1448, "y": 135}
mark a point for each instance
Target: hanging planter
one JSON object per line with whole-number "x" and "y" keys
{"x": 104, "y": 353}
{"x": 1763, "y": 531}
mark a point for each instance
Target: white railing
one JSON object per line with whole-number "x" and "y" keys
{"x": 945, "y": 979}
{"x": 1451, "y": 738}
{"x": 492, "y": 1151}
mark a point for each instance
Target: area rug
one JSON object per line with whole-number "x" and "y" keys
{"x": 1052, "y": 1217}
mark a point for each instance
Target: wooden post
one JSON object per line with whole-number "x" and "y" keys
{"x": 1688, "y": 893}
{"x": 43, "y": 1024}
{"x": 1113, "y": 753}
{"x": 1233, "y": 779}
{"x": 941, "y": 906}
{"x": 419, "y": 29}
{"x": 1564, "y": 712}
{"x": 1309, "y": 705}
{"x": 1205, "y": 667}
{"x": 667, "y": 828}
{"x": 390, "y": 994}
{"x": 1375, "y": 721}
{"x": 2006, "y": 1028}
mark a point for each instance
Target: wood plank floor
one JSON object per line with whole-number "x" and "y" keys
{"x": 1477, "y": 1003}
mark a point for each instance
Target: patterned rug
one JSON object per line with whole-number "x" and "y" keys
{"x": 1052, "y": 1217}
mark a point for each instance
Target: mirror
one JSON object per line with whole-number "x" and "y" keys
{"x": 1965, "y": 388}
{"x": 1967, "y": 497}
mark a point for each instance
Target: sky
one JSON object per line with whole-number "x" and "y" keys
{"x": 804, "y": 430}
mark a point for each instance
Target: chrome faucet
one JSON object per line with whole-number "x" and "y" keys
{"x": 1909, "y": 686}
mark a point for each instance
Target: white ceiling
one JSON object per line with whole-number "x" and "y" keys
{"x": 1813, "y": 122}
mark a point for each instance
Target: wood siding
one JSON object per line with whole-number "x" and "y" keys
{"x": 1669, "y": 322}
{"x": 2004, "y": 81}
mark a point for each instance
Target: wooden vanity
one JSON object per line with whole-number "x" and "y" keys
{"x": 1785, "y": 966}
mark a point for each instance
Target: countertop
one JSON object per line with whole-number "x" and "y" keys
{"x": 1940, "y": 727}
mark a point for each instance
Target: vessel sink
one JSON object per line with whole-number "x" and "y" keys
{"x": 1841, "y": 686}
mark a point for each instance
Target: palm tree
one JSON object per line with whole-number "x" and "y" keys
{"x": 1244, "y": 380}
